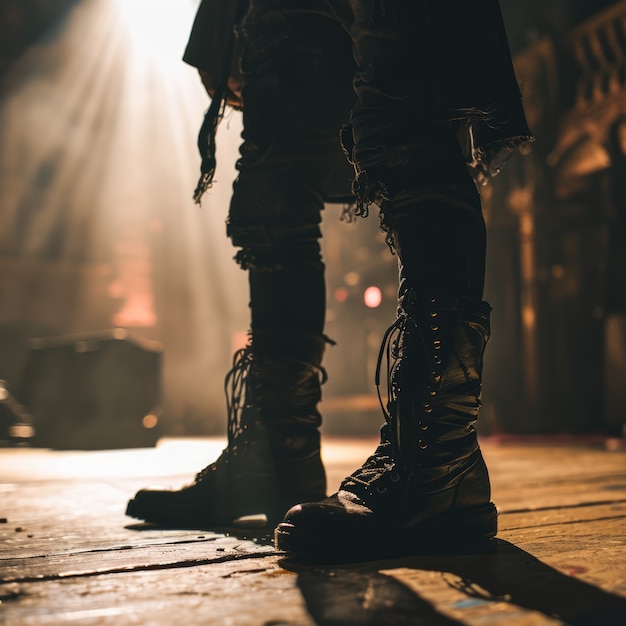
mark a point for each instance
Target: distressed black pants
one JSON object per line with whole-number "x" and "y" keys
{"x": 400, "y": 73}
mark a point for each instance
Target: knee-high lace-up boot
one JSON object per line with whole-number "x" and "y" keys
{"x": 272, "y": 459}
{"x": 426, "y": 486}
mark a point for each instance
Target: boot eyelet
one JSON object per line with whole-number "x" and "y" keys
{"x": 393, "y": 477}
{"x": 422, "y": 444}
{"x": 434, "y": 327}
{"x": 423, "y": 426}
{"x": 433, "y": 392}
{"x": 436, "y": 377}
{"x": 381, "y": 489}
{"x": 433, "y": 313}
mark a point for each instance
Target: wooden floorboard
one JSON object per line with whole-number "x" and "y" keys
{"x": 68, "y": 555}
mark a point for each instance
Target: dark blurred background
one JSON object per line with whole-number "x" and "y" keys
{"x": 119, "y": 299}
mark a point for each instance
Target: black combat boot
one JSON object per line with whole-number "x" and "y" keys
{"x": 272, "y": 459}
{"x": 426, "y": 487}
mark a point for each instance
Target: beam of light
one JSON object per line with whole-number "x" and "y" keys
{"x": 156, "y": 28}
{"x": 98, "y": 163}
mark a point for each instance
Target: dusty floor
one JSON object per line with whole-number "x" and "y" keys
{"x": 69, "y": 555}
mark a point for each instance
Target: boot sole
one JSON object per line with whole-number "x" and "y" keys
{"x": 178, "y": 517}
{"x": 468, "y": 530}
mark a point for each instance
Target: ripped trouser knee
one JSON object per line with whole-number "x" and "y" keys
{"x": 418, "y": 87}
{"x": 286, "y": 275}
{"x": 267, "y": 247}
{"x": 425, "y": 166}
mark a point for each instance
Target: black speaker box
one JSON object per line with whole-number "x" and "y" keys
{"x": 92, "y": 391}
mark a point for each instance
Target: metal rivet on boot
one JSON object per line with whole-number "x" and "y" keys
{"x": 422, "y": 444}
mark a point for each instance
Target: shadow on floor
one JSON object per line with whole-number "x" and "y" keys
{"x": 363, "y": 594}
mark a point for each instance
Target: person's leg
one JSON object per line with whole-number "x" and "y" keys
{"x": 296, "y": 70}
{"x": 295, "y": 66}
{"x": 426, "y": 486}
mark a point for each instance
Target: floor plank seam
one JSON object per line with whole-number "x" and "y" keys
{"x": 138, "y": 568}
{"x": 578, "y": 505}
{"x": 166, "y": 544}
{"x": 565, "y": 522}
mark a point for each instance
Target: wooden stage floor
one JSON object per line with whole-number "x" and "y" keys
{"x": 70, "y": 556}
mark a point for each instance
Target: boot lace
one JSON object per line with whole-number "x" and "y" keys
{"x": 390, "y": 455}
{"x": 383, "y": 461}
{"x": 239, "y": 390}
{"x": 375, "y": 467}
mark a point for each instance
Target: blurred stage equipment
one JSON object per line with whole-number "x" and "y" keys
{"x": 16, "y": 426}
{"x": 93, "y": 391}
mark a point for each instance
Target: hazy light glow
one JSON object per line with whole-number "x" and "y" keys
{"x": 150, "y": 421}
{"x": 341, "y": 294}
{"x": 352, "y": 279}
{"x": 372, "y": 297}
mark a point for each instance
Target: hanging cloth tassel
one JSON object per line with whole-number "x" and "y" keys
{"x": 208, "y": 130}
{"x": 206, "y": 140}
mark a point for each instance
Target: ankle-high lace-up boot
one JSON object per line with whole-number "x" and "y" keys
{"x": 426, "y": 487}
{"x": 273, "y": 458}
